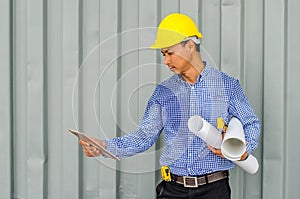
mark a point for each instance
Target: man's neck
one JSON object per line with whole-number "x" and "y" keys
{"x": 194, "y": 71}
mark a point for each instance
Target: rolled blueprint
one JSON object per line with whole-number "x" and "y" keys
{"x": 205, "y": 131}
{"x": 250, "y": 165}
{"x": 234, "y": 144}
{"x": 213, "y": 137}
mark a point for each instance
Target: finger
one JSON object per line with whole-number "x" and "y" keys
{"x": 223, "y": 134}
{"x": 82, "y": 143}
{"x": 213, "y": 149}
{"x": 96, "y": 152}
{"x": 92, "y": 151}
{"x": 216, "y": 151}
{"x": 88, "y": 153}
{"x": 244, "y": 156}
{"x": 87, "y": 148}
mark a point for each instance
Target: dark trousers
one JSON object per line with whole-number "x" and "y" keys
{"x": 216, "y": 190}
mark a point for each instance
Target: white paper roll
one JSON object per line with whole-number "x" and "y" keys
{"x": 250, "y": 165}
{"x": 205, "y": 131}
{"x": 234, "y": 144}
{"x": 213, "y": 137}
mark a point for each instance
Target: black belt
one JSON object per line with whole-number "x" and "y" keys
{"x": 194, "y": 182}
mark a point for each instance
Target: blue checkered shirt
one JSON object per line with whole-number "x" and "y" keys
{"x": 174, "y": 101}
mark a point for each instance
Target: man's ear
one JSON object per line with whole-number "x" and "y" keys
{"x": 191, "y": 45}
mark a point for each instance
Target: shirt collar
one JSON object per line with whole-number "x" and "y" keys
{"x": 204, "y": 72}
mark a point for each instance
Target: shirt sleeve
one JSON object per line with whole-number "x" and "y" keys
{"x": 241, "y": 108}
{"x": 143, "y": 137}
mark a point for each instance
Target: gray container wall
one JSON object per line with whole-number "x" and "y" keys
{"x": 85, "y": 64}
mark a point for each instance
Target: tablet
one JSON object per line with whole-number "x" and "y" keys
{"x": 89, "y": 140}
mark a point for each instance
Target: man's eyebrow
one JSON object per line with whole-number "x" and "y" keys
{"x": 164, "y": 51}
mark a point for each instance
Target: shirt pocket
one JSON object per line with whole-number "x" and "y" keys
{"x": 215, "y": 107}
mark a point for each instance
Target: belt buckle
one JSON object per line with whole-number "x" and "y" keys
{"x": 190, "y": 186}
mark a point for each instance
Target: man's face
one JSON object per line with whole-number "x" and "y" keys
{"x": 177, "y": 58}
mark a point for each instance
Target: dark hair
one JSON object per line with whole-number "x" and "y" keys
{"x": 183, "y": 43}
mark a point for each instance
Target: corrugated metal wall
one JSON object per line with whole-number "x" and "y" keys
{"x": 86, "y": 64}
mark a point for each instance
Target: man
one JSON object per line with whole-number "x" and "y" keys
{"x": 197, "y": 170}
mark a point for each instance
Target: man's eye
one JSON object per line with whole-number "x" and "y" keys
{"x": 167, "y": 53}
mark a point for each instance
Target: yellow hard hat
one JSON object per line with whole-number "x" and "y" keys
{"x": 173, "y": 29}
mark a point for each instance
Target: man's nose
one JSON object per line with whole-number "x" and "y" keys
{"x": 167, "y": 60}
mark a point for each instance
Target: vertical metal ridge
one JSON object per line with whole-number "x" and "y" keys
{"x": 285, "y": 96}
{"x": 12, "y": 90}
{"x": 118, "y": 94}
{"x": 119, "y": 63}
{"x": 158, "y": 79}
{"x": 200, "y": 18}
{"x": 158, "y": 54}
{"x": 242, "y": 44}
{"x": 80, "y": 98}
{"x": 45, "y": 97}
{"x": 138, "y": 63}
{"x": 220, "y": 49}
{"x": 138, "y": 80}
{"x": 262, "y": 94}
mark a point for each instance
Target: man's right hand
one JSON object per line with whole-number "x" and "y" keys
{"x": 89, "y": 149}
